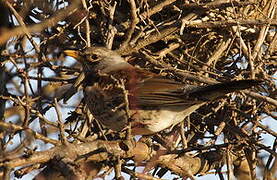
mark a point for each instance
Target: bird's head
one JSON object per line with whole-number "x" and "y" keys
{"x": 98, "y": 58}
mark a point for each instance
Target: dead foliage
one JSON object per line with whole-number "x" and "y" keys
{"x": 195, "y": 42}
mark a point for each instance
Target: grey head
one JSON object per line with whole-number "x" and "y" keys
{"x": 103, "y": 59}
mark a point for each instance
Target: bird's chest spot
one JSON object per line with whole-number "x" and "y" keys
{"x": 107, "y": 101}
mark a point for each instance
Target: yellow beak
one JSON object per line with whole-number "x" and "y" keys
{"x": 72, "y": 53}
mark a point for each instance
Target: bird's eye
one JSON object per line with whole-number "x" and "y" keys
{"x": 94, "y": 57}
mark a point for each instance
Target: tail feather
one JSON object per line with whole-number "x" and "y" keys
{"x": 215, "y": 91}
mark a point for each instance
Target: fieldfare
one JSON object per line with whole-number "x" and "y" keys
{"x": 117, "y": 93}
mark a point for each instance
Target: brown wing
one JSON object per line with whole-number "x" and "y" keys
{"x": 159, "y": 92}
{"x": 164, "y": 93}
{"x": 149, "y": 91}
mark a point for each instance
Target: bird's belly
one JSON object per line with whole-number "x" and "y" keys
{"x": 152, "y": 121}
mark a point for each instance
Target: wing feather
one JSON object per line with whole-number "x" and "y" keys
{"x": 159, "y": 92}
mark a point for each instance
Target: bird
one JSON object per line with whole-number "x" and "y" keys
{"x": 118, "y": 93}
